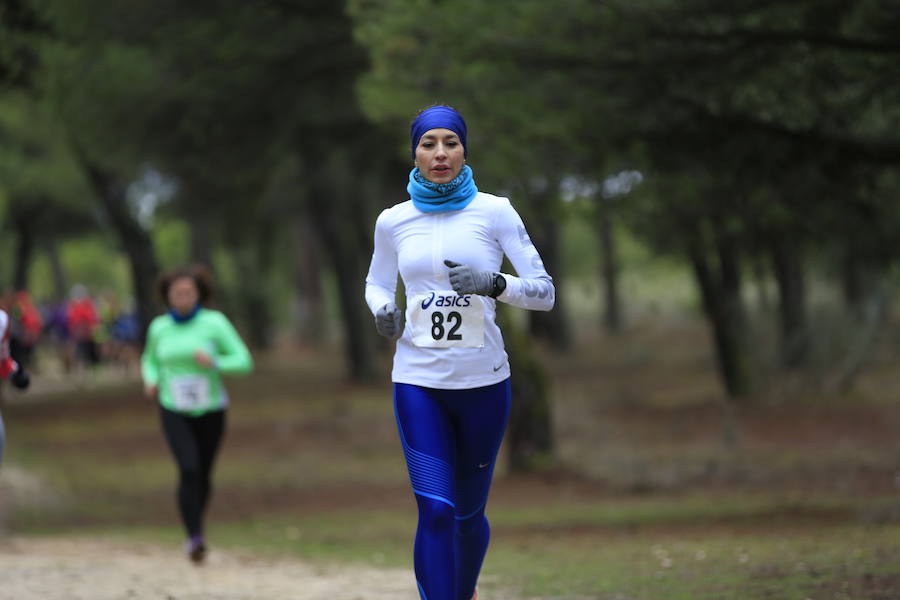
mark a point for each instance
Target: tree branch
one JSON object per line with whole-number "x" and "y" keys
{"x": 874, "y": 151}
{"x": 786, "y": 37}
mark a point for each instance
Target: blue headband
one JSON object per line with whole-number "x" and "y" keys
{"x": 438, "y": 117}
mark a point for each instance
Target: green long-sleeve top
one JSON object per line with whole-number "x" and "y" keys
{"x": 168, "y": 361}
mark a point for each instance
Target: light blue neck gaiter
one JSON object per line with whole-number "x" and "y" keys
{"x": 432, "y": 197}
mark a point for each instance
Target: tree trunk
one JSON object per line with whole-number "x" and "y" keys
{"x": 874, "y": 318}
{"x": 253, "y": 259}
{"x": 853, "y": 282}
{"x": 720, "y": 290}
{"x": 609, "y": 268}
{"x": 551, "y": 325}
{"x": 308, "y": 279}
{"x": 529, "y": 437}
{"x": 788, "y": 265}
{"x": 60, "y": 286}
{"x": 137, "y": 243}
{"x": 193, "y": 195}
{"x": 349, "y": 262}
{"x": 201, "y": 238}
{"x": 25, "y": 234}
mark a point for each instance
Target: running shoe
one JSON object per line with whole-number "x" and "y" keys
{"x": 196, "y": 549}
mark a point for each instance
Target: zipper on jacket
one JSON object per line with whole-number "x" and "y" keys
{"x": 437, "y": 246}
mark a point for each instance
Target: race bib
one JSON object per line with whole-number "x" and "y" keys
{"x": 444, "y": 319}
{"x": 189, "y": 392}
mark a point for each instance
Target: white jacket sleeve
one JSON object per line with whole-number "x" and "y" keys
{"x": 381, "y": 282}
{"x": 533, "y": 288}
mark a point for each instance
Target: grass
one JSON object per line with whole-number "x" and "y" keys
{"x": 712, "y": 565}
{"x": 646, "y": 502}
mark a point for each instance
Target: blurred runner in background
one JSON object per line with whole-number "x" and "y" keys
{"x": 26, "y": 325}
{"x": 82, "y": 322}
{"x": 188, "y": 349}
{"x": 9, "y": 370}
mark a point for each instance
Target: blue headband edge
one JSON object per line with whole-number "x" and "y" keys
{"x": 435, "y": 117}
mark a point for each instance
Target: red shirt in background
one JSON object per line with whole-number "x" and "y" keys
{"x": 28, "y": 316}
{"x": 7, "y": 364}
{"x": 82, "y": 319}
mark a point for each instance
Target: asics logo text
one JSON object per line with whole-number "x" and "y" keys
{"x": 447, "y": 301}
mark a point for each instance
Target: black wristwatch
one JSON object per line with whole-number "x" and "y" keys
{"x": 499, "y": 285}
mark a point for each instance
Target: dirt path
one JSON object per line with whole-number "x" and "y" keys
{"x": 91, "y": 569}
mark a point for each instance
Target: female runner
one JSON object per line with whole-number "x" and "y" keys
{"x": 450, "y": 373}
{"x": 187, "y": 351}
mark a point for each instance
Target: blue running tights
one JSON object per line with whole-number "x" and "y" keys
{"x": 451, "y": 439}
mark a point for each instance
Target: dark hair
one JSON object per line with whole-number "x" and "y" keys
{"x": 199, "y": 274}
{"x": 430, "y": 106}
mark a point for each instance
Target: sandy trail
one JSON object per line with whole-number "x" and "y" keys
{"x": 94, "y": 569}
{"x": 90, "y": 568}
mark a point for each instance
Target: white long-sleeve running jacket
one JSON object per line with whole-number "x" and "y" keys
{"x": 451, "y": 341}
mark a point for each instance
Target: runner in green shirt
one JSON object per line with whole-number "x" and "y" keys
{"x": 187, "y": 351}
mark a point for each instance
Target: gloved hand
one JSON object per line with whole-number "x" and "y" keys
{"x": 20, "y": 379}
{"x": 387, "y": 321}
{"x": 466, "y": 280}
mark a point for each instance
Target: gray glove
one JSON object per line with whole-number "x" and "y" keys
{"x": 387, "y": 321}
{"x": 466, "y": 280}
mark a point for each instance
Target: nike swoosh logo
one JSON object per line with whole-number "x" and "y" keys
{"x": 498, "y": 367}
{"x": 481, "y": 466}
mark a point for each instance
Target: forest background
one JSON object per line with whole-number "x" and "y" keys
{"x": 712, "y": 186}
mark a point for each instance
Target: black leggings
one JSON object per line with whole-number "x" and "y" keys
{"x": 194, "y": 442}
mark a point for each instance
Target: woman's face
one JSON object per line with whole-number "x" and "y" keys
{"x": 183, "y": 295}
{"x": 440, "y": 155}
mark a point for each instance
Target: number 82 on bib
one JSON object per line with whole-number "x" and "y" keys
{"x": 445, "y": 319}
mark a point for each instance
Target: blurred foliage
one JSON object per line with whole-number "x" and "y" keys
{"x": 87, "y": 259}
{"x": 765, "y": 133}
{"x": 763, "y": 129}
{"x": 773, "y": 115}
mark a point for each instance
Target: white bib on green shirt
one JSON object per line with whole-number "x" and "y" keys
{"x": 190, "y": 392}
